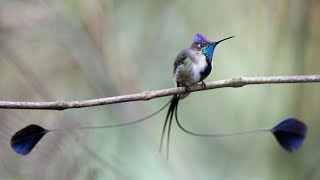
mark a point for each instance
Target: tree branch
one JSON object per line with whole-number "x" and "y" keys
{"x": 147, "y": 95}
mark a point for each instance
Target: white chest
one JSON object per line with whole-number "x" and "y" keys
{"x": 200, "y": 64}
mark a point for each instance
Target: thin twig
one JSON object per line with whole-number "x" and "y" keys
{"x": 147, "y": 95}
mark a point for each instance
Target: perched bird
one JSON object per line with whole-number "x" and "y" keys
{"x": 194, "y": 64}
{"x": 191, "y": 66}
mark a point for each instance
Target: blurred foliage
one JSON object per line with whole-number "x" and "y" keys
{"x": 80, "y": 49}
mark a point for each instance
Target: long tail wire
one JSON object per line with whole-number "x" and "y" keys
{"x": 213, "y": 135}
{"x": 97, "y": 127}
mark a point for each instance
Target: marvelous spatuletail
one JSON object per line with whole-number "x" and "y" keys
{"x": 191, "y": 66}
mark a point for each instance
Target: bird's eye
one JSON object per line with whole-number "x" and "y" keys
{"x": 200, "y": 45}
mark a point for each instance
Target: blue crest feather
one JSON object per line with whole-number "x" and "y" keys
{"x": 201, "y": 38}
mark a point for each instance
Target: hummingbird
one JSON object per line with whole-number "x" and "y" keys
{"x": 192, "y": 65}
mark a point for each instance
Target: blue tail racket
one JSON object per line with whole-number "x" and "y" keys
{"x": 289, "y": 133}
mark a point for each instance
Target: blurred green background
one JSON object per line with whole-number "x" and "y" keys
{"x": 80, "y": 49}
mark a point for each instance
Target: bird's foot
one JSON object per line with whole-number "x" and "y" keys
{"x": 204, "y": 85}
{"x": 187, "y": 88}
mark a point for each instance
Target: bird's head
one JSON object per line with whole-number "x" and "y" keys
{"x": 202, "y": 44}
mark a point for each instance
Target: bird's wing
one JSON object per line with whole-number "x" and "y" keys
{"x": 180, "y": 59}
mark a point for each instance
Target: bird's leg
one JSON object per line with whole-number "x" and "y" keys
{"x": 203, "y": 84}
{"x": 187, "y": 88}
